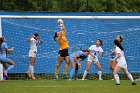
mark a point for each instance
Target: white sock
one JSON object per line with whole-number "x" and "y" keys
{"x": 29, "y": 69}
{"x": 32, "y": 69}
{"x": 85, "y": 73}
{"x": 130, "y": 77}
{"x": 100, "y": 74}
{"x": 116, "y": 77}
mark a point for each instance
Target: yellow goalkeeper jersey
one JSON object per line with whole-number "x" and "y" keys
{"x": 63, "y": 40}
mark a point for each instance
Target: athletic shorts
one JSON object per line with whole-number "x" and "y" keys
{"x": 71, "y": 59}
{"x": 4, "y": 59}
{"x": 32, "y": 53}
{"x": 122, "y": 65}
{"x": 91, "y": 59}
{"x": 63, "y": 53}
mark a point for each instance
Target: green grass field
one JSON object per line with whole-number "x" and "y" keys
{"x": 66, "y": 86}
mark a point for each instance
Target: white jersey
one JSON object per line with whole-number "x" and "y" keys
{"x": 121, "y": 60}
{"x": 96, "y": 51}
{"x": 33, "y": 44}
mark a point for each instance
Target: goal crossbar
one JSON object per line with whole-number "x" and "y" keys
{"x": 72, "y": 17}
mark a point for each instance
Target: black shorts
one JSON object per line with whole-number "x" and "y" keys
{"x": 63, "y": 53}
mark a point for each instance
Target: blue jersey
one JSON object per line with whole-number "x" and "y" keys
{"x": 80, "y": 54}
{"x": 3, "y": 57}
{"x": 3, "y": 49}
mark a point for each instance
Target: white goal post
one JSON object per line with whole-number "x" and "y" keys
{"x": 72, "y": 17}
{"x": 1, "y": 66}
{"x": 57, "y": 17}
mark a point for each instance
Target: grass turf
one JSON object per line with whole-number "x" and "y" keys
{"x": 66, "y": 86}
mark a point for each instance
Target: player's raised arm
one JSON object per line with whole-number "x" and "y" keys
{"x": 32, "y": 53}
{"x": 9, "y": 50}
{"x": 61, "y": 25}
{"x": 40, "y": 41}
{"x": 29, "y": 39}
{"x": 60, "y": 37}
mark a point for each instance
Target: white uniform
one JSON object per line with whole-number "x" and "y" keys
{"x": 121, "y": 60}
{"x": 33, "y": 47}
{"x": 96, "y": 51}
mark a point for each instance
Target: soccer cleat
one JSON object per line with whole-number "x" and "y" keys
{"x": 3, "y": 79}
{"x": 33, "y": 77}
{"x": 5, "y": 73}
{"x": 117, "y": 84}
{"x": 28, "y": 74}
{"x": 83, "y": 79}
{"x": 133, "y": 83}
{"x": 112, "y": 79}
{"x": 100, "y": 79}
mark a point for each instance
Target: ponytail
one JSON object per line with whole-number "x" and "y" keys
{"x": 1, "y": 40}
{"x": 121, "y": 38}
{"x": 118, "y": 44}
{"x": 55, "y": 36}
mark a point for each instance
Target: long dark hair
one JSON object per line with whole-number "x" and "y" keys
{"x": 118, "y": 44}
{"x": 121, "y": 38}
{"x": 85, "y": 50}
{"x": 55, "y": 36}
{"x": 36, "y": 34}
{"x": 1, "y": 40}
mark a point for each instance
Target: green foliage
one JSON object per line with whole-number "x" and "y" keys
{"x": 71, "y": 5}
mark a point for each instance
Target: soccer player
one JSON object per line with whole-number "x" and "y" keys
{"x": 34, "y": 41}
{"x": 74, "y": 60}
{"x": 112, "y": 53}
{"x": 96, "y": 50}
{"x": 60, "y": 37}
{"x": 121, "y": 63}
{"x": 3, "y": 56}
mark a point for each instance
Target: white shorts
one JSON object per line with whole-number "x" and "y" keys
{"x": 32, "y": 53}
{"x": 122, "y": 65}
{"x": 91, "y": 59}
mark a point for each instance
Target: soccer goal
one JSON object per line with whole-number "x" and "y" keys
{"x": 82, "y": 32}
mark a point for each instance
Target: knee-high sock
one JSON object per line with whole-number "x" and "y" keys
{"x": 32, "y": 69}
{"x": 85, "y": 74}
{"x": 57, "y": 70}
{"x": 116, "y": 77}
{"x": 130, "y": 77}
{"x": 100, "y": 74}
{"x": 10, "y": 67}
{"x": 76, "y": 73}
{"x": 72, "y": 73}
{"x": 66, "y": 68}
{"x": 29, "y": 69}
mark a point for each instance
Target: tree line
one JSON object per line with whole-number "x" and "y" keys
{"x": 71, "y": 5}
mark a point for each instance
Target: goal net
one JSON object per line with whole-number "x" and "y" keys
{"x": 82, "y": 32}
